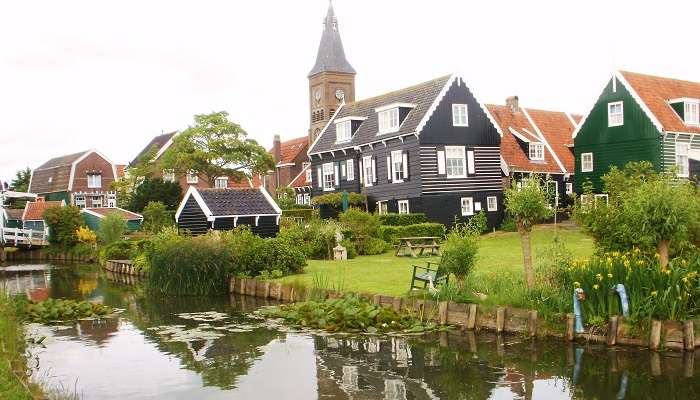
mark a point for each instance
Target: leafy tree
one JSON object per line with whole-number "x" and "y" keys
{"x": 137, "y": 173}
{"x": 156, "y": 189}
{"x": 63, "y": 224}
{"x": 459, "y": 251}
{"x": 527, "y": 205}
{"x": 335, "y": 200}
{"x": 156, "y": 217}
{"x": 216, "y": 147}
{"x": 112, "y": 228}
{"x": 363, "y": 226}
{"x": 20, "y": 183}
{"x": 286, "y": 198}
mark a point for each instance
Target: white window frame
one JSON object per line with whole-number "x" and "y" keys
{"x": 586, "y": 165}
{"x": 343, "y": 131}
{"x": 682, "y": 160}
{"x": 584, "y": 200}
{"x": 536, "y": 151}
{"x": 616, "y": 118}
{"x": 467, "y": 205}
{"x": 397, "y": 167}
{"x": 80, "y": 201}
{"x": 221, "y": 182}
{"x": 492, "y": 203}
{"x": 168, "y": 175}
{"x": 350, "y": 169}
{"x": 403, "y": 207}
{"x": 388, "y": 120}
{"x": 383, "y": 207}
{"x": 111, "y": 200}
{"x": 328, "y": 176}
{"x": 192, "y": 177}
{"x": 96, "y": 202}
{"x": 308, "y": 175}
{"x": 460, "y": 116}
{"x": 691, "y": 112}
{"x": 461, "y": 155}
{"x": 307, "y": 199}
{"x": 368, "y": 170}
{"x": 569, "y": 187}
{"x": 600, "y": 196}
{"x": 300, "y": 198}
{"x": 94, "y": 181}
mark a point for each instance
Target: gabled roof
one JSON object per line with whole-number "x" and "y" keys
{"x": 422, "y": 96}
{"x": 102, "y": 212}
{"x": 56, "y": 174}
{"x": 160, "y": 142}
{"x": 300, "y": 180}
{"x": 552, "y": 128}
{"x": 14, "y": 213}
{"x": 291, "y": 149}
{"x": 231, "y": 202}
{"x": 331, "y": 55}
{"x": 34, "y": 210}
{"x": 656, "y": 91}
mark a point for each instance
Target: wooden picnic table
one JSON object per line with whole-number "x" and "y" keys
{"x": 421, "y": 243}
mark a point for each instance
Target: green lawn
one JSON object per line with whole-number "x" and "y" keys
{"x": 391, "y": 275}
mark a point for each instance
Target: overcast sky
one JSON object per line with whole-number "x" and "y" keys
{"x": 76, "y": 75}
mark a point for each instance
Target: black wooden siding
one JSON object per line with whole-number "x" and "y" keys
{"x": 487, "y": 168}
{"x": 383, "y": 188}
{"x": 192, "y": 218}
{"x": 339, "y": 157}
{"x": 267, "y": 225}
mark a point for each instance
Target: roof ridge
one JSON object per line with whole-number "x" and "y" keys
{"x": 397, "y": 91}
{"x": 660, "y": 77}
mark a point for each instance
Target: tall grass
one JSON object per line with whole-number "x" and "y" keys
{"x": 13, "y": 362}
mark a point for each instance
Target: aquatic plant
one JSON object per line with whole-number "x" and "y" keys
{"x": 53, "y": 310}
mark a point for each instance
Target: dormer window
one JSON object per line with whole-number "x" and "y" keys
{"x": 692, "y": 112}
{"x": 389, "y": 121}
{"x": 536, "y": 151}
{"x": 221, "y": 182}
{"x": 343, "y": 131}
{"x": 94, "y": 181}
{"x": 615, "y": 115}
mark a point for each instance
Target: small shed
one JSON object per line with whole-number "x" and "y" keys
{"x": 202, "y": 210}
{"x": 13, "y": 217}
{"x": 93, "y": 217}
{"x": 33, "y": 215}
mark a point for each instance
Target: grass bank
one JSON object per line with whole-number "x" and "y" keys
{"x": 499, "y": 255}
{"x": 13, "y": 362}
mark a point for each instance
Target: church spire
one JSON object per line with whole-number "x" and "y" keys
{"x": 331, "y": 56}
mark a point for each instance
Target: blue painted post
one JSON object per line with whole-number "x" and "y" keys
{"x": 578, "y": 293}
{"x": 624, "y": 301}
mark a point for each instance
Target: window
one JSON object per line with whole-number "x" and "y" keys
{"x": 389, "y": 120}
{"x": 584, "y": 200}
{"x": 169, "y": 175}
{"x": 492, "y": 203}
{"x": 350, "y": 169}
{"x": 96, "y": 201}
{"x": 80, "y": 201}
{"x": 536, "y": 151}
{"x": 569, "y": 188}
{"x": 403, "y": 207}
{"x": 682, "y": 162}
{"x": 94, "y": 181}
{"x": 308, "y": 175}
{"x": 615, "y": 117}
{"x": 382, "y": 207}
{"x": 368, "y": 170}
{"x": 328, "y": 176}
{"x": 459, "y": 115}
{"x": 467, "y": 206}
{"x": 300, "y": 198}
{"x": 307, "y": 199}
{"x": 192, "y": 177}
{"x": 601, "y": 198}
{"x": 343, "y": 131}
{"x": 221, "y": 182}
{"x": 692, "y": 114}
{"x": 111, "y": 200}
{"x": 397, "y": 166}
{"x": 454, "y": 162}
{"x": 586, "y": 162}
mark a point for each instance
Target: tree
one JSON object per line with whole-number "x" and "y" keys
{"x": 156, "y": 217}
{"x": 460, "y": 249}
{"x": 528, "y": 205}
{"x": 112, "y": 228}
{"x": 63, "y": 224}
{"x": 136, "y": 174}
{"x": 20, "y": 183}
{"x": 216, "y": 147}
{"x": 156, "y": 189}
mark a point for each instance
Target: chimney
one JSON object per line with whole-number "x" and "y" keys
{"x": 277, "y": 149}
{"x": 512, "y": 103}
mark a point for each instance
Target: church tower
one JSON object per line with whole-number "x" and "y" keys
{"x": 331, "y": 80}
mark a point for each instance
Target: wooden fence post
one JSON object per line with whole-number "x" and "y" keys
{"x": 655, "y": 335}
{"x": 532, "y": 323}
{"x": 442, "y": 311}
{"x": 688, "y": 336}
{"x": 611, "y": 339}
{"x": 570, "y": 332}
{"x": 377, "y": 299}
{"x": 500, "y": 319}
{"x": 397, "y": 304}
{"x": 267, "y": 290}
{"x": 471, "y": 316}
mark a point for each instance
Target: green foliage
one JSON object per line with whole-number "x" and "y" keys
{"x": 528, "y": 204}
{"x": 335, "y": 200}
{"x": 402, "y": 219}
{"x": 459, "y": 251}
{"x": 118, "y": 250}
{"x": 350, "y": 248}
{"x": 20, "y": 183}
{"x": 150, "y": 190}
{"x": 14, "y": 371}
{"x": 363, "y": 227}
{"x": 252, "y": 255}
{"x": 59, "y": 310}
{"x": 214, "y": 147}
{"x": 298, "y": 211}
{"x": 477, "y": 223}
{"x": 348, "y": 314}
{"x": 508, "y": 224}
{"x": 390, "y": 233}
{"x": 372, "y": 246}
{"x": 286, "y": 198}
{"x": 316, "y": 238}
{"x": 156, "y": 217}
{"x": 112, "y": 228}
{"x": 63, "y": 224}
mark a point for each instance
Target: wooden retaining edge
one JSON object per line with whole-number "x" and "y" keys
{"x": 41, "y": 255}
{"x": 469, "y": 317}
{"x": 125, "y": 267}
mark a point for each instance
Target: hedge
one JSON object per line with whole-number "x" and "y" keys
{"x": 335, "y": 200}
{"x": 402, "y": 219}
{"x": 391, "y": 233}
{"x": 305, "y": 213}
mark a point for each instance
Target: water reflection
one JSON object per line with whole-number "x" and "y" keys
{"x": 152, "y": 351}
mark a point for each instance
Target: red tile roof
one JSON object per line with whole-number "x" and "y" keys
{"x": 34, "y": 210}
{"x": 557, "y": 129}
{"x": 120, "y": 170}
{"x": 300, "y": 180}
{"x": 105, "y": 211}
{"x": 291, "y": 148}
{"x": 655, "y": 91}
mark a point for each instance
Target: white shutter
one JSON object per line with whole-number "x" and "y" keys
{"x": 388, "y": 168}
{"x": 374, "y": 169}
{"x": 441, "y": 162}
{"x": 350, "y": 170}
{"x": 362, "y": 173}
{"x": 337, "y": 174}
{"x": 342, "y": 170}
{"x": 320, "y": 176}
{"x": 405, "y": 165}
{"x": 470, "y": 162}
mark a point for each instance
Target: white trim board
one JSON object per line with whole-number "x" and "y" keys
{"x": 331, "y": 119}
{"x": 192, "y": 191}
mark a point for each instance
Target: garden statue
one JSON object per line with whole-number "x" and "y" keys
{"x": 339, "y": 251}
{"x": 579, "y": 295}
{"x": 624, "y": 302}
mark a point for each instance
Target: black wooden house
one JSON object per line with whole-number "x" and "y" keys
{"x": 430, "y": 148}
{"x": 202, "y": 210}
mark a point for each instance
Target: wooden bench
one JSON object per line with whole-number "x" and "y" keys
{"x": 428, "y": 274}
{"x": 411, "y": 244}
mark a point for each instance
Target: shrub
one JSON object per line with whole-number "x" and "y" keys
{"x": 350, "y": 247}
{"x": 63, "y": 223}
{"x": 86, "y": 235}
{"x": 402, "y": 219}
{"x": 112, "y": 228}
{"x": 335, "y": 200}
{"x": 459, "y": 251}
{"x": 119, "y": 250}
{"x": 276, "y": 255}
{"x": 316, "y": 239}
{"x": 252, "y": 254}
{"x": 391, "y": 233}
{"x": 156, "y": 217}
{"x": 372, "y": 246}
{"x": 362, "y": 226}
{"x": 508, "y": 224}
{"x": 306, "y": 213}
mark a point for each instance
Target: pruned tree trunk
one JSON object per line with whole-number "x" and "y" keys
{"x": 527, "y": 256}
{"x": 662, "y": 247}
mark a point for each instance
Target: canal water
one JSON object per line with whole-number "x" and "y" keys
{"x": 213, "y": 348}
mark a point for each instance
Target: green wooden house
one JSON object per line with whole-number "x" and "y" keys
{"x": 639, "y": 117}
{"x": 94, "y": 216}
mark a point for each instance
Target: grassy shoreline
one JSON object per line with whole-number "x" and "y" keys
{"x": 13, "y": 362}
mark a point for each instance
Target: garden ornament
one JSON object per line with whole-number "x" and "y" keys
{"x": 624, "y": 302}
{"x": 579, "y": 295}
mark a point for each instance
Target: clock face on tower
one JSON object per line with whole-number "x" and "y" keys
{"x": 339, "y": 94}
